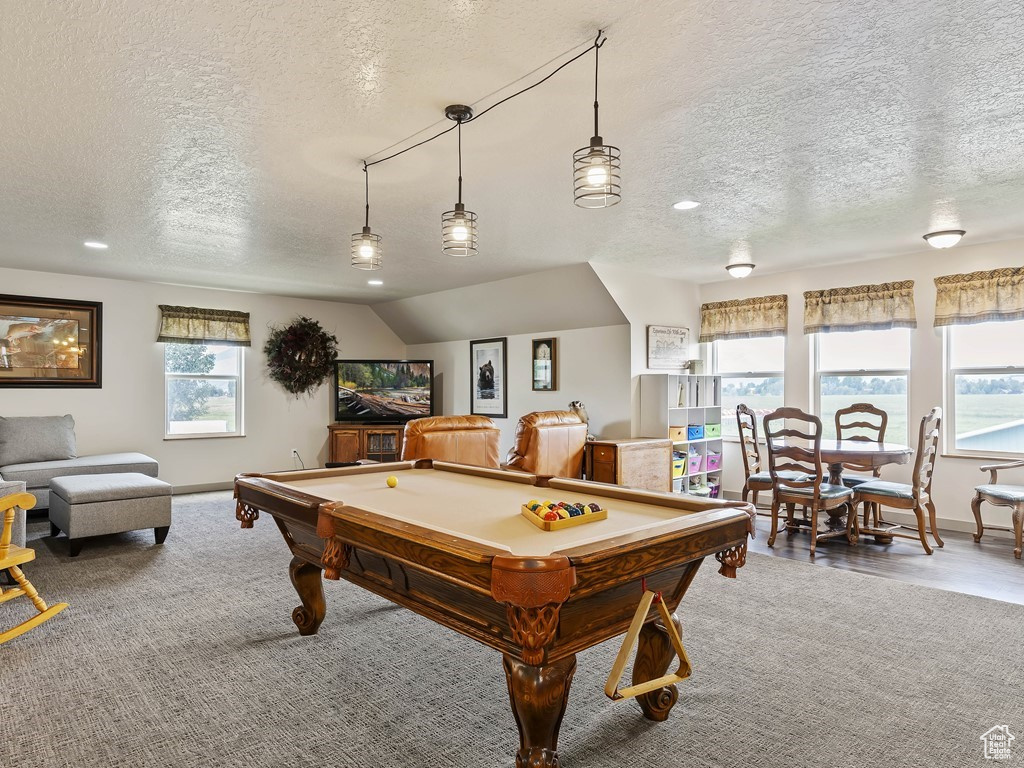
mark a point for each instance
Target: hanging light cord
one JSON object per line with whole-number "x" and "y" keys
{"x": 366, "y": 173}
{"x": 459, "y": 126}
{"x": 600, "y": 40}
{"x": 597, "y": 54}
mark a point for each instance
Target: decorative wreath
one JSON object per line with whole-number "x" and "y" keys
{"x": 300, "y": 356}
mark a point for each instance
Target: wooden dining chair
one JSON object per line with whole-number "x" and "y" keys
{"x": 1001, "y": 495}
{"x": 12, "y": 556}
{"x": 916, "y": 496}
{"x": 755, "y": 479}
{"x": 865, "y": 422}
{"x": 798, "y": 477}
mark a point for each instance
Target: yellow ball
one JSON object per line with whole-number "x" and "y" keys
{"x": 392, "y": 481}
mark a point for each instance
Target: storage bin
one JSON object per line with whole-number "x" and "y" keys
{"x": 694, "y": 462}
{"x": 714, "y": 488}
{"x": 678, "y": 467}
{"x": 712, "y": 430}
{"x": 677, "y": 434}
{"x": 714, "y": 461}
{"x": 700, "y": 490}
{"x": 695, "y": 432}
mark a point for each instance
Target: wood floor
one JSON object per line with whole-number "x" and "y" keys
{"x": 987, "y": 568}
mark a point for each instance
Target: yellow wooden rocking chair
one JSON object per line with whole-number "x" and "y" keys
{"x": 11, "y": 557}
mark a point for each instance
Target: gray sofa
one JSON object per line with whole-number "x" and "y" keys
{"x": 18, "y": 531}
{"x": 36, "y": 449}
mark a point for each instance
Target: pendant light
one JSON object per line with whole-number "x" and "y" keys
{"x": 458, "y": 227}
{"x": 596, "y": 181}
{"x": 366, "y": 245}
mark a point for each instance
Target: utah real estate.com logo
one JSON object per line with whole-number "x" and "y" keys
{"x": 997, "y": 742}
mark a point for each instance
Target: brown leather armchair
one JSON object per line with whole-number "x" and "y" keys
{"x": 549, "y": 443}
{"x": 461, "y": 439}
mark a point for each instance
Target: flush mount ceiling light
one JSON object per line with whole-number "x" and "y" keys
{"x": 740, "y": 269}
{"x": 947, "y": 238}
{"x": 96, "y": 244}
{"x": 686, "y": 205}
{"x": 375, "y": 282}
{"x": 596, "y": 180}
{"x": 458, "y": 227}
{"x": 366, "y": 252}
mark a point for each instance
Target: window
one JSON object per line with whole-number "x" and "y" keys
{"x": 864, "y": 367}
{"x": 985, "y": 388}
{"x": 752, "y": 373}
{"x": 202, "y": 390}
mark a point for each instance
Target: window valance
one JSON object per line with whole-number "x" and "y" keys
{"x": 860, "y": 308}
{"x": 980, "y": 297}
{"x": 744, "y": 318}
{"x": 195, "y": 325}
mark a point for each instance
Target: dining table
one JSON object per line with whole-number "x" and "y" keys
{"x": 864, "y": 453}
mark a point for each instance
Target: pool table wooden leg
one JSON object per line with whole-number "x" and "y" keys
{"x": 654, "y": 652}
{"x": 538, "y": 696}
{"x": 306, "y": 580}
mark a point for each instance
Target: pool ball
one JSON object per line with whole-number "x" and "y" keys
{"x": 561, "y": 512}
{"x": 392, "y": 481}
{"x": 550, "y": 515}
{"x": 573, "y": 512}
{"x": 532, "y": 503}
{"x": 595, "y": 507}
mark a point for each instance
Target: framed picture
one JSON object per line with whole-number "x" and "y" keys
{"x": 49, "y": 342}
{"x": 544, "y": 365}
{"x": 488, "y": 373}
{"x": 667, "y": 347}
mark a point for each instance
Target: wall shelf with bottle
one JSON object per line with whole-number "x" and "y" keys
{"x": 688, "y": 410}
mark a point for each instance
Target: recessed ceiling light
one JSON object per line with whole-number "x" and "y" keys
{"x": 95, "y": 244}
{"x": 375, "y": 282}
{"x": 686, "y": 205}
{"x": 944, "y": 239}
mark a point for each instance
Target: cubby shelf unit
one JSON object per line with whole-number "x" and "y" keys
{"x": 670, "y": 404}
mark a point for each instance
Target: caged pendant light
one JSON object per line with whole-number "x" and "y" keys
{"x": 596, "y": 180}
{"x": 458, "y": 227}
{"x": 366, "y": 245}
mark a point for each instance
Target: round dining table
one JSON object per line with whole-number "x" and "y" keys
{"x": 863, "y": 453}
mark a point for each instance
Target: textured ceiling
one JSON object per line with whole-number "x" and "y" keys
{"x": 218, "y": 144}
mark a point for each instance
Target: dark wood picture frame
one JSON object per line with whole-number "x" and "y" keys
{"x": 488, "y": 377}
{"x": 50, "y": 342}
{"x": 544, "y": 365}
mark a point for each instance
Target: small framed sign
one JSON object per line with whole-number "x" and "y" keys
{"x": 667, "y": 347}
{"x": 545, "y": 376}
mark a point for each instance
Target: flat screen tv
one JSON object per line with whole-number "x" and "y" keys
{"x": 383, "y": 390}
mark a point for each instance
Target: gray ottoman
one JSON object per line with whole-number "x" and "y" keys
{"x": 93, "y": 505}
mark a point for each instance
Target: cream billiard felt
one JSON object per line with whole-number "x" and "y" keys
{"x": 483, "y": 509}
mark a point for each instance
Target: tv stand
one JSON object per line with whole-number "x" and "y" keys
{"x": 352, "y": 442}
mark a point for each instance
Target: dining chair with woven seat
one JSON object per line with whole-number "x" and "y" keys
{"x": 916, "y": 496}
{"x": 1001, "y": 495}
{"x": 798, "y": 477}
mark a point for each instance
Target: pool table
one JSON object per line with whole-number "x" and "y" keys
{"x": 449, "y": 542}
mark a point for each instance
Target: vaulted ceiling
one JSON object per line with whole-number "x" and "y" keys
{"x": 219, "y": 144}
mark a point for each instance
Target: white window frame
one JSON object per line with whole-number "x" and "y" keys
{"x": 239, "y": 409}
{"x": 818, "y": 373}
{"x": 949, "y": 400}
{"x": 745, "y": 375}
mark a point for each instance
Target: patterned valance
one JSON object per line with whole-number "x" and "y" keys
{"x": 195, "y": 325}
{"x": 980, "y": 297}
{"x": 743, "y": 318}
{"x": 860, "y": 308}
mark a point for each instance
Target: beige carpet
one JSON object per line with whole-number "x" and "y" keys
{"x": 185, "y": 655}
